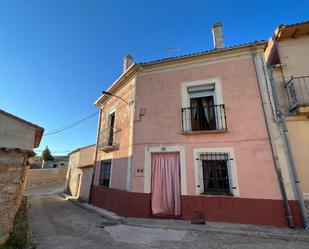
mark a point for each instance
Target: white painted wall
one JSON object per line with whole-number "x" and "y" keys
{"x": 14, "y": 134}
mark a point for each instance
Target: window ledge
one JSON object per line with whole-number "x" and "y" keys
{"x": 108, "y": 148}
{"x": 301, "y": 110}
{"x": 217, "y": 194}
{"x": 203, "y": 132}
{"x": 102, "y": 186}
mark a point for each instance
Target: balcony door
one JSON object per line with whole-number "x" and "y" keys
{"x": 202, "y": 105}
{"x": 111, "y": 129}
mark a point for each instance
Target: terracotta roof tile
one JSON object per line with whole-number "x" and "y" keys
{"x": 203, "y": 52}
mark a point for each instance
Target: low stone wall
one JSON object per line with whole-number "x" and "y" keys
{"x": 38, "y": 177}
{"x": 13, "y": 171}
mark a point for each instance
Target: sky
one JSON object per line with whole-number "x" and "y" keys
{"x": 57, "y": 56}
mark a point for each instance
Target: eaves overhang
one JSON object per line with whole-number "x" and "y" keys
{"x": 137, "y": 67}
{"x": 293, "y": 31}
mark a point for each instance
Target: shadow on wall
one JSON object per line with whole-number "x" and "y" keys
{"x": 13, "y": 171}
{"x": 78, "y": 182}
{"x": 117, "y": 171}
{"x": 68, "y": 179}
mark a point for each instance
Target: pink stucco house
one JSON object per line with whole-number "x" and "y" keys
{"x": 188, "y": 134}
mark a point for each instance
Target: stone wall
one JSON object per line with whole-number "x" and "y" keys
{"x": 39, "y": 177}
{"x": 13, "y": 171}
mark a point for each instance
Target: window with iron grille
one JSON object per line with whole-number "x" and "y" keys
{"x": 215, "y": 173}
{"x": 105, "y": 172}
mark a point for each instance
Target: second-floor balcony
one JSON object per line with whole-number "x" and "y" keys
{"x": 297, "y": 89}
{"x": 108, "y": 139}
{"x": 203, "y": 119}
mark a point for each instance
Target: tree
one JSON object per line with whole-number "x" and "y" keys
{"x": 46, "y": 155}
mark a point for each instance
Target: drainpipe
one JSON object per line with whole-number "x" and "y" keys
{"x": 95, "y": 154}
{"x": 288, "y": 212}
{"x": 295, "y": 180}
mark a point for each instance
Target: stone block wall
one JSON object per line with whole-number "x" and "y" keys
{"x": 40, "y": 177}
{"x": 13, "y": 171}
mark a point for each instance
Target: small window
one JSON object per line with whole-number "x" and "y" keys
{"x": 105, "y": 172}
{"x": 215, "y": 173}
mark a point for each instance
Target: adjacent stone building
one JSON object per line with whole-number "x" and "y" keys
{"x": 287, "y": 55}
{"x": 80, "y": 170}
{"x": 18, "y": 137}
{"x": 59, "y": 161}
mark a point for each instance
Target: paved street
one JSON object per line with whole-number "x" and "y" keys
{"x": 58, "y": 223}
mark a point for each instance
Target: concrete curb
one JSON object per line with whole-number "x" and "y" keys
{"x": 205, "y": 228}
{"x": 67, "y": 197}
{"x": 99, "y": 211}
{"x": 269, "y": 234}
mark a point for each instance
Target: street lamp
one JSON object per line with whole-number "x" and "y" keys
{"x": 110, "y": 94}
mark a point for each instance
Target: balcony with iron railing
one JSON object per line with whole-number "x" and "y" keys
{"x": 108, "y": 139}
{"x": 203, "y": 119}
{"x": 297, "y": 90}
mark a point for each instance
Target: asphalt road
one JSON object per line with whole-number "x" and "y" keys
{"x": 58, "y": 223}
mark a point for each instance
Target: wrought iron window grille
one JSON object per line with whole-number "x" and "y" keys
{"x": 204, "y": 118}
{"x": 215, "y": 173}
{"x": 297, "y": 90}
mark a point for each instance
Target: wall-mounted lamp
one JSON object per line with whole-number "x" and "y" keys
{"x": 110, "y": 94}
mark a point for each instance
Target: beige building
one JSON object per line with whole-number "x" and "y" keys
{"x": 18, "y": 137}
{"x": 287, "y": 55}
{"x": 79, "y": 174}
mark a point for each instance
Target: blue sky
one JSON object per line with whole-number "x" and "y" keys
{"x": 56, "y": 56}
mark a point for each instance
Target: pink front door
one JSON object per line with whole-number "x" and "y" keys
{"x": 165, "y": 184}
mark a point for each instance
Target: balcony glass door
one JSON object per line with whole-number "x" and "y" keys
{"x": 202, "y": 113}
{"x": 111, "y": 129}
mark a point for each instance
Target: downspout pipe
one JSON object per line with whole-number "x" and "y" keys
{"x": 287, "y": 208}
{"x": 296, "y": 182}
{"x": 95, "y": 154}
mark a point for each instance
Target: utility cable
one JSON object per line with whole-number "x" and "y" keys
{"x": 68, "y": 126}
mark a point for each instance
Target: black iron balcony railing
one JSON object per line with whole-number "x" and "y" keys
{"x": 204, "y": 118}
{"x": 297, "y": 90}
{"x": 108, "y": 138}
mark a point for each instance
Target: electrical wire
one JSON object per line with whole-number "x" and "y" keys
{"x": 54, "y": 151}
{"x": 68, "y": 126}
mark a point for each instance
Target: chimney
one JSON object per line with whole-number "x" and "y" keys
{"x": 127, "y": 62}
{"x": 217, "y": 35}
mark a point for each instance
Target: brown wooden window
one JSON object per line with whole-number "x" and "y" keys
{"x": 203, "y": 113}
{"x": 105, "y": 172}
{"x": 111, "y": 129}
{"x": 215, "y": 173}
{"x": 202, "y": 104}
